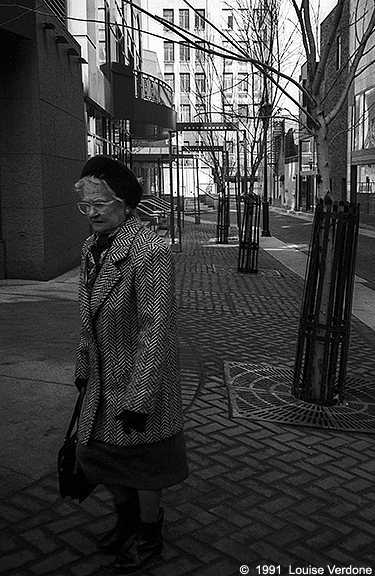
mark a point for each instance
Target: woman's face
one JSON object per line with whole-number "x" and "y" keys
{"x": 107, "y": 217}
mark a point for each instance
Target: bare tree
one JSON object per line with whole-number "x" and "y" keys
{"x": 271, "y": 64}
{"x": 320, "y": 117}
{"x": 251, "y": 39}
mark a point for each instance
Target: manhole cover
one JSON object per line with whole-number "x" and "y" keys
{"x": 263, "y": 392}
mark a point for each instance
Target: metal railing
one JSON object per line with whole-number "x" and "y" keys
{"x": 98, "y": 145}
{"x": 152, "y": 89}
{"x": 156, "y": 211}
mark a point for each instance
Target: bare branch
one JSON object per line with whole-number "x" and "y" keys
{"x": 214, "y": 49}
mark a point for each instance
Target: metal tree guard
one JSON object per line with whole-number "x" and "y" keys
{"x": 249, "y": 234}
{"x": 323, "y": 338}
{"x": 223, "y": 209}
{"x": 222, "y": 218}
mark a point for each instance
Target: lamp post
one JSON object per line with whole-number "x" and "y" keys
{"x": 265, "y": 112}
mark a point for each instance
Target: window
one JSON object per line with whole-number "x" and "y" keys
{"x": 185, "y": 112}
{"x": 243, "y": 83}
{"x": 243, "y": 111}
{"x": 184, "y": 52}
{"x": 199, "y": 54}
{"x": 227, "y": 112}
{"x": 200, "y": 112}
{"x": 184, "y": 19}
{"x": 200, "y": 83}
{"x": 228, "y": 19}
{"x": 185, "y": 82}
{"x": 169, "y": 79}
{"x": 244, "y": 47}
{"x": 369, "y": 119}
{"x": 104, "y": 33}
{"x": 120, "y": 45}
{"x": 168, "y": 52}
{"x": 338, "y": 52}
{"x": 228, "y": 83}
{"x": 199, "y": 19}
{"x": 168, "y": 16}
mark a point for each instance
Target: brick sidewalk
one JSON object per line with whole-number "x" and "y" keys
{"x": 258, "y": 493}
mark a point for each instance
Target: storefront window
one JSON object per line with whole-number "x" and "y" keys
{"x": 366, "y": 191}
{"x": 366, "y": 179}
{"x": 369, "y": 119}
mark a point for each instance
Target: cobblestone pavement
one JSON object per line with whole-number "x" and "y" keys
{"x": 258, "y": 494}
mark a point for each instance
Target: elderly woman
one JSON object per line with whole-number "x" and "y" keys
{"x": 130, "y": 429}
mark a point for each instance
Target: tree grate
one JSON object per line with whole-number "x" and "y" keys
{"x": 263, "y": 392}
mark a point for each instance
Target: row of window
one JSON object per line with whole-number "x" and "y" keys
{"x": 169, "y": 52}
{"x": 241, "y": 82}
{"x": 200, "y": 113}
{"x": 185, "y": 51}
{"x": 184, "y": 18}
{"x": 115, "y": 40}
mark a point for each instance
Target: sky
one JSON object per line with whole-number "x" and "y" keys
{"x": 325, "y": 6}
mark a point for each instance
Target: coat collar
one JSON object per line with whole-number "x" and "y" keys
{"x": 124, "y": 237}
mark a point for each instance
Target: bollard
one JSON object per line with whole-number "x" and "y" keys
{"x": 324, "y": 328}
{"x": 249, "y": 234}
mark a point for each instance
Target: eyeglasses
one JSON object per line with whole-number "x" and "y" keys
{"x": 85, "y": 207}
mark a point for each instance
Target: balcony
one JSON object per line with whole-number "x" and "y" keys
{"x": 144, "y": 100}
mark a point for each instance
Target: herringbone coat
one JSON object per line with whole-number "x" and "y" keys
{"x": 128, "y": 347}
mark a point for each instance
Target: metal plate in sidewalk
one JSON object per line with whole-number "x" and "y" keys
{"x": 263, "y": 392}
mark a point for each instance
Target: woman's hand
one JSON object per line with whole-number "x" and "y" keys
{"x": 80, "y": 383}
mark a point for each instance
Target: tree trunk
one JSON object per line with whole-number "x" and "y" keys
{"x": 323, "y": 168}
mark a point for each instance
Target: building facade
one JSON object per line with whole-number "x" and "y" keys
{"x": 78, "y": 83}
{"x": 198, "y": 47}
{"x": 361, "y": 140}
{"x": 42, "y": 143}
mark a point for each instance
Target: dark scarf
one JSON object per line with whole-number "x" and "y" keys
{"x": 103, "y": 242}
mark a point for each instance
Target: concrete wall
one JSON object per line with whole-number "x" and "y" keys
{"x": 42, "y": 150}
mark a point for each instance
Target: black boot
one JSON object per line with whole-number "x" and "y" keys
{"x": 128, "y": 517}
{"x": 146, "y": 544}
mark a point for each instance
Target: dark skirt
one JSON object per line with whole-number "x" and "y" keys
{"x": 144, "y": 467}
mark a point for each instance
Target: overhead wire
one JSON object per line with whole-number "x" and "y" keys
{"x": 206, "y": 46}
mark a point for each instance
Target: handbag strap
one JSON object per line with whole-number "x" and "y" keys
{"x": 76, "y": 413}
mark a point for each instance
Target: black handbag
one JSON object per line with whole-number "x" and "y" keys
{"x": 72, "y": 481}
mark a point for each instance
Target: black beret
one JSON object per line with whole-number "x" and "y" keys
{"x": 119, "y": 178}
